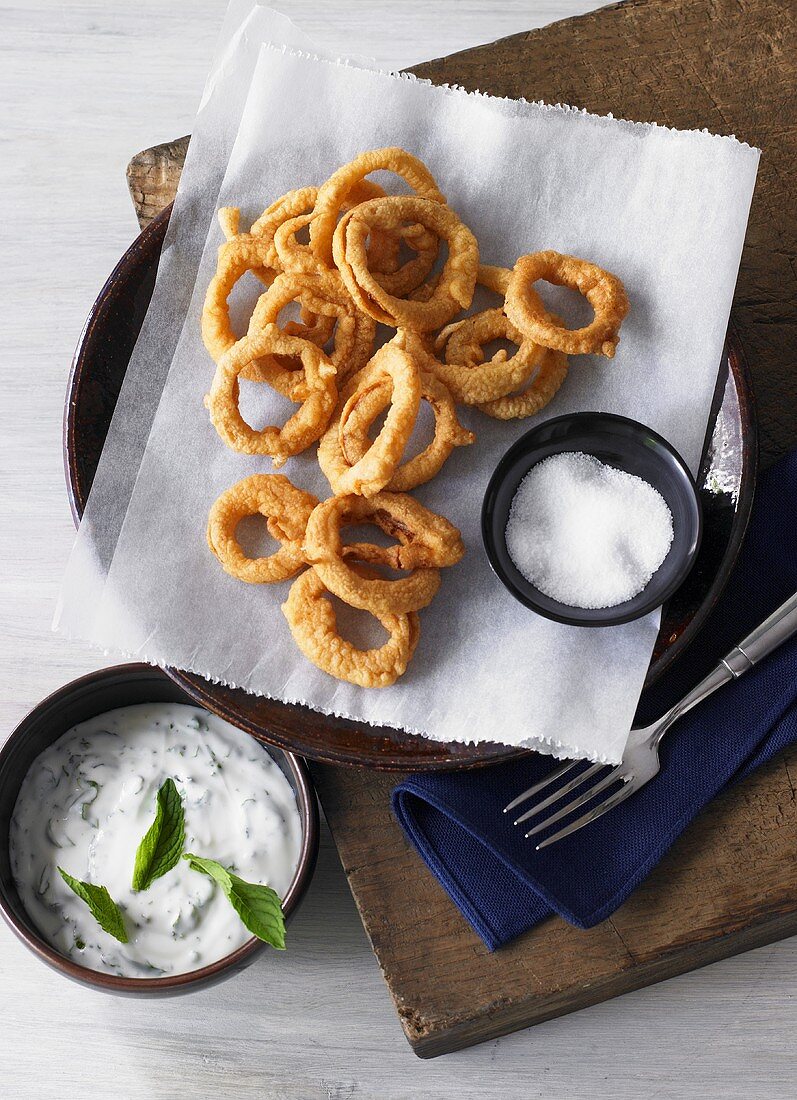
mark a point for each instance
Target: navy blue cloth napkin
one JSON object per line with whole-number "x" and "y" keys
{"x": 502, "y": 885}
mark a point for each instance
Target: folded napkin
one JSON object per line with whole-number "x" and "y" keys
{"x": 502, "y": 885}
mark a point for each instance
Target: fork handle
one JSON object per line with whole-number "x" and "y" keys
{"x": 773, "y": 632}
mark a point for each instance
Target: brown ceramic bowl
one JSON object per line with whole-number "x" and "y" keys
{"x": 725, "y": 484}
{"x": 120, "y": 686}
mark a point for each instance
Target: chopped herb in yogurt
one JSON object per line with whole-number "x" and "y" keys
{"x": 180, "y": 779}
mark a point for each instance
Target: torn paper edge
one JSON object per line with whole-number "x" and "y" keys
{"x": 457, "y": 90}
{"x": 547, "y": 746}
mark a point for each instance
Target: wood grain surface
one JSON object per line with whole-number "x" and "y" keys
{"x": 730, "y": 883}
{"x": 727, "y": 65}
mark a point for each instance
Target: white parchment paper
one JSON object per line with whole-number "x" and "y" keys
{"x": 664, "y": 210}
{"x": 245, "y": 28}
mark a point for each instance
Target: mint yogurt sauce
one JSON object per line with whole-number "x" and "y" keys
{"x": 88, "y": 800}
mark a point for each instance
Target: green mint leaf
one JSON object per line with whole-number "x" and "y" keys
{"x": 259, "y": 907}
{"x": 103, "y": 908}
{"x": 161, "y": 848}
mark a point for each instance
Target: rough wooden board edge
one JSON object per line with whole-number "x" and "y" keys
{"x": 431, "y": 1036}
{"x": 153, "y": 176}
{"x": 479, "y": 1029}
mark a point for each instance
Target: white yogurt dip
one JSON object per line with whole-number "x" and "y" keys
{"x": 88, "y": 800}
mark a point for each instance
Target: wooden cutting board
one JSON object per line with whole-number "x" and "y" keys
{"x": 730, "y": 883}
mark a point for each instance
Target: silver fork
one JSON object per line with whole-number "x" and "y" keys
{"x": 641, "y": 758}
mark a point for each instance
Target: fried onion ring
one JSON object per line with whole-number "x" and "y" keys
{"x": 240, "y": 253}
{"x": 286, "y": 509}
{"x": 313, "y": 624}
{"x": 296, "y": 203}
{"x": 550, "y": 376}
{"x": 426, "y": 541}
{"x": 604, "y": 292}
{"x": 471, "y": 380}
{"x": 383, "y": 250}
{"x": 317, "y": 393}
{"x": 333, "y": 195}
{"x": 406, "y": 278}
{"x": 495, "y": 279}
{"x": 257, "y": 251}
{"x": 349, "y": 440}
{"x": 452, "y": 288}
{"x": 287, "y": 206}
{"x": 380, "y": 459}
{"x": 323, "y": 297}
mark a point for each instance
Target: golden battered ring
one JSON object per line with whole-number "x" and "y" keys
{"x": 313, "y": 624}
{"x": 431, "y": 305}
{"x": 333, "y": 195}
{"x": 604, "y": 292}
{"x": 379, "y": 461}
{"x": 318, "y": 395}
{"x": 257, "y": 251}
{"x": 471, "y": 380}
{"x": 286, "y": 509}
{"x": 542, "y": 388}
{"x": 349, "y": 440}
{"x": 238, "y": 254}
{"x": 324, "y": 298}
{"x": 426, "y": 542}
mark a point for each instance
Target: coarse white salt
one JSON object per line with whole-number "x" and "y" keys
{"x": 586, "y": 534}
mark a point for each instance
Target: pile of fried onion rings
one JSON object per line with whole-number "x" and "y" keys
{"x": 348, "y": 256}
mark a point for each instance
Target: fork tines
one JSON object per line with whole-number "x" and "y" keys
{"x": 575, "y": 776}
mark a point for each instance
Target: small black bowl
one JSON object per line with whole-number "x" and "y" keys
{"x": 626, "y": 445}
{"x": 121, "y": 686}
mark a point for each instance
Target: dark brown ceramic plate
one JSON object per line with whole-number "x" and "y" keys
{"x": 726, "y": 481}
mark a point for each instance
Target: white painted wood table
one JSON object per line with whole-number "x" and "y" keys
{"x": 83, "y": 84}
